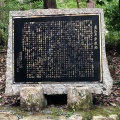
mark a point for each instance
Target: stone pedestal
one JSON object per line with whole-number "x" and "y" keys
{"x": 79, "y": 98}
{"x": 32, "y": 98}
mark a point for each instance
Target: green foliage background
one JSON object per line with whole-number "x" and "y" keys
{"x": 111, "y": 10}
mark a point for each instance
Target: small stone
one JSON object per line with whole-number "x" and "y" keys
{"x": 32, "y": 98}
{"x": 99, "y": 118}
{"x": 75, "y": 117}
{"x": 3, "y": 77}
{"x": 113, "y": 104}
{"x": 79, "y": 98}
{"x": 113, "y": 117}
{"x": 7, "y": 116}
{"x": 37, "y": 117}
{"x": 62, "y": 118}
{"x": 0, "y": 78}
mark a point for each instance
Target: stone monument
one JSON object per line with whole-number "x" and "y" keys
{"x": 56, "y": 49}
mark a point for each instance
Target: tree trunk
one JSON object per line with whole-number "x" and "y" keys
{"x": 78, "y": 3}
{"x": 49, "y": 4}
{"x": 90, "y": 4}
{"x": 119, "y": 4}
{"x": 1, "y": 3}
{"x": 30, "y": 5}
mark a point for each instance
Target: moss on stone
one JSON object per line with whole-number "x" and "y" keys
{"x": 83, "y": 101}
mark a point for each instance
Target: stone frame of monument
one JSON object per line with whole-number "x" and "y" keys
{"x": 97, "y": 87}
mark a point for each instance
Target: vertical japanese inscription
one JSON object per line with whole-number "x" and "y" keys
{"x": 64, "y": 48}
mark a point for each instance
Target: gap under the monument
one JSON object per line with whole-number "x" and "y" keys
{"x": 56, "y": 99}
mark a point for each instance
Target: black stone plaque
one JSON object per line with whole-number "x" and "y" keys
{"x": 57, "y": 49}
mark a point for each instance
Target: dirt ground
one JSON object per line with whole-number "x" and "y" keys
{"x": 113, "y": 57}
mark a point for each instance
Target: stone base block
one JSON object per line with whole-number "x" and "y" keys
{"x": 79, "y": 98}
{"x": 32, "y": 98}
